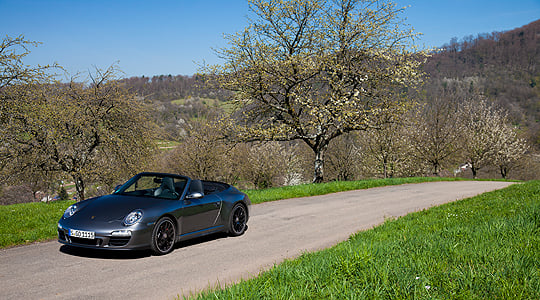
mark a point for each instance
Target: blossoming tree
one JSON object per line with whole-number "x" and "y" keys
{"x": 313, "y": 70}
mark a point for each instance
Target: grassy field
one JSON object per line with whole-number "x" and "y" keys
{"x": 166, "y": 145}
{"x": 31, "y": 222}
{"x": 486, "y": 247}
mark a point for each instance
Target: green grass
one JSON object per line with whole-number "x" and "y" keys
{"x": 179, "y": 101}
{"x": 164, "y": 144}
{"x": 306, "y": 190}
{"x": 210, "y": 102}
{"x": 30, "y": 222}
{"x": 486, "y": 247}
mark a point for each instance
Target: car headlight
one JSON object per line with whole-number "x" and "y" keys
{"x": 70, "y": 211}
{"x": 133, "y": 217}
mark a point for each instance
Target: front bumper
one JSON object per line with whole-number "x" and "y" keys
{"x": 105, "y": 239}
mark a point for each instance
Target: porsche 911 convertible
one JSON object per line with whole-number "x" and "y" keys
{"x": 154, "y": 211}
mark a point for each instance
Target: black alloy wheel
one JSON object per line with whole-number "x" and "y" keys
{"x": 163, "y": 236}
{"x": 238, "y": 220}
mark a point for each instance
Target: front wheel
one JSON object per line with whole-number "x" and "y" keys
{"x": 163, "y": 236}
{"x": 237, "y": 220}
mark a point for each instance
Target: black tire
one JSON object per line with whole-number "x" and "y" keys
{"x": 163, "y": 236}
{"x": 237, "y": 220}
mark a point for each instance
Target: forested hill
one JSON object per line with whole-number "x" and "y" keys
{"x": 507, "y": 65}
{"x": 166, "y": 88}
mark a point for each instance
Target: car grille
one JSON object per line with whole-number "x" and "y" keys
{"x": 94, "y": 242}
{"x": 119, "y": 241}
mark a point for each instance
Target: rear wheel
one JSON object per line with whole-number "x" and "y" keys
{"x": 237, "y": 220}
{"x": 163, "y": 236}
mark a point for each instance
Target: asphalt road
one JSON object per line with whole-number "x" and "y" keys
{"x": 277, "y": 230}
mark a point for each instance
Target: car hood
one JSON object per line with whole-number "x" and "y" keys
{"x": 114, "y": 208}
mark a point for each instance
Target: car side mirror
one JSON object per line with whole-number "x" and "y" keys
{"x": 195, "y": 195}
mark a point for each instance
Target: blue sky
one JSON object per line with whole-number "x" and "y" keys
{"x": 172, "y": 37}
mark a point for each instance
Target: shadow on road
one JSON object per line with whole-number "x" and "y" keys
{"x": 133, "y": 254}
{"x": 104, "y": 254}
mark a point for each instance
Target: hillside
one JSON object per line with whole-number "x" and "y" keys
{"x": 176, "y": 99}
{"x": 506, "y": 64}
{"x": 167, "y": 88}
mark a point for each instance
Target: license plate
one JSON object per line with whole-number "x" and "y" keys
{"x": 82, "y": 234}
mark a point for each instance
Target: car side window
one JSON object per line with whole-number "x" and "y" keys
{"x": 170, "y": 187}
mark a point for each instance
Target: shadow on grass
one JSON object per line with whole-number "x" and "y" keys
{"x": 134, "y": 254}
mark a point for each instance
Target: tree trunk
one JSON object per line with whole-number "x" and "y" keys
{"x": 79, "y": 186}
{"x": 385, "y": 168}
{"x": 474, "y": 171}
{"x": 504, "y": 171}
{"x": 436, "y": 169}
{"x": 319, "y": 163}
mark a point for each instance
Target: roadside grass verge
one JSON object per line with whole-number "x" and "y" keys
{"x": 30, "y": 222}
{"x": 485, "y": 247}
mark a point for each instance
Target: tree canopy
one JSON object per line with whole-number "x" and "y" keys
{"x": 12, "y": 68}
{"x": 90, "y": 130}
{"x": 313, "y": 70}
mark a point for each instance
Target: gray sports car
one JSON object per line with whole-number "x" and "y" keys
{"x": 154, "y": 211}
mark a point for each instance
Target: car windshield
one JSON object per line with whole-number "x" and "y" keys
{"x": 160, "y": 186}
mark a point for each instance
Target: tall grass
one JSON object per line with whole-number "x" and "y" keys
{"x": 486, "y": 247}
